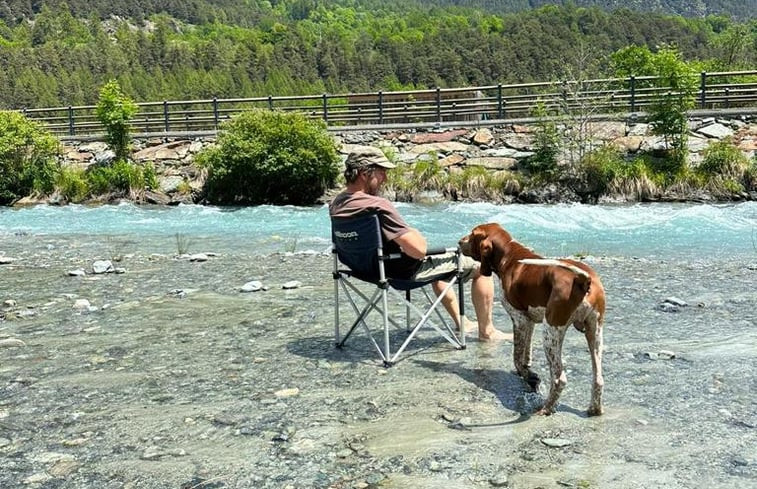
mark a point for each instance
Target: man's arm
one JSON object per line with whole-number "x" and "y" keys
{"x": 413, "y": 244}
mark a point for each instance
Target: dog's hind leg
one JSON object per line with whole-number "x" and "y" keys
{"x": 553, "y": 341}
{"x": 593, "y": 332}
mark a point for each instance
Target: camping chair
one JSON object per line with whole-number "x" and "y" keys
{"x": 357, "y": 243}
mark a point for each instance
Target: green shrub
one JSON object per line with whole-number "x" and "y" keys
{"x": 27, "y": 158}
{"x": 477, "y": 182}
{"x": 121, "y": 177}
{"x": 598, "y": 169}
{"x": 638, "y": 180}
{"x": 543, "y": 163}
{"x": 271, "y": 157}
{"x": 115, "y": 110}
{"x": 428, "y": 174}
{"x": 150, "y": 177}
{"x": 72, "y": 184}
{"x": 722, "y": 158}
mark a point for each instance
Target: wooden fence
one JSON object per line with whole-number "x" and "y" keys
{"x": 484, "y": 104}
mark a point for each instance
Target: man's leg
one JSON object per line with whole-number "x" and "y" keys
{"x": 482, "y": 296}
{"x": 449, "y": 301}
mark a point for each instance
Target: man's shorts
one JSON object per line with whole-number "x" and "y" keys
{"x": 437, "y": 266}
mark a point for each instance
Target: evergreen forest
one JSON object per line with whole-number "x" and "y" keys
{"x": 55, "y": 53}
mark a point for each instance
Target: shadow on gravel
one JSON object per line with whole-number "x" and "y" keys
{"x": 508, "y": 387}
{"x": 360, "y": 349}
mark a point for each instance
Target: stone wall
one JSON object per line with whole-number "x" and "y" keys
{"x": 494, "y": 148}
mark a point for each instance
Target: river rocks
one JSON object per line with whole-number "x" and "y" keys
{"x": 454, "y": 148}
{"x": 252, "y": 286}
{"x": 11, "y": 343}
{"x": 716, "y": 131}
{"x": 102, "y": 266}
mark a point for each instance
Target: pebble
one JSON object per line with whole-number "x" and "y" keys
{"x": 178, "y": 293}
{"x": 344, "y": 453}
{"x": 556, "y": 442}
{"x": 152, "y": 453}
{"x": 11, "y": 343}
{"x": 63, "y": 468}
{"x": 499, "y": 481}
{"x": 666, "y": 355}
{"x": 38, "y": 478}
{"x": 284, "y": 393}
{"x": 5, "y": 260}
{"x": 81, "y": 304}
{"x": 252, "y": 286}
{"x": 79, "y": 272}
{"x": 102, "y": 266}
{"x": 675, "y": 301}
{"x": 10, "y": 303}
{"x": 292, "y": 284}
{"x": 198, "y": 257}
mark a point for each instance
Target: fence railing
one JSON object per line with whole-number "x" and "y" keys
{"x": 722, "y": 90}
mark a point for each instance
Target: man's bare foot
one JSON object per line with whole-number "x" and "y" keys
{"x": 468, "y": 325}
{"x": 494, "y": 336}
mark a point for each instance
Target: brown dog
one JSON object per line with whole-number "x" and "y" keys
{"x": 562, "y": 292}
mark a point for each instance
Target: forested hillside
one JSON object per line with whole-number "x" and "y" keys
{"x": 249, "y": 12}
{"x": 62, "y": 54}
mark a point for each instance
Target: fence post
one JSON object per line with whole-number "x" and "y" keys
{"x": 165, "y": 115}
{"x": 70, "y": 121}
{"x": 727, "y": 101}
{"x": 702, "y": 89}
{"x": 215, "y": 112}
{"x": 270, "y": 102}
{"x": 632, "y": 86}
{"x": 438, "y": 104}
{"x": 381, "y": 106}
{"x": 325, "y": 109}
{"x": 500, "y": 105}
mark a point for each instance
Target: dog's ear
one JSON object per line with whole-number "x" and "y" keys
{"x": 485, "y": 251}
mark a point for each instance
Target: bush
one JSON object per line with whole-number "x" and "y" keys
{"x": 270, "y": 157}
{"x": 543, "y": 163}
{"x": 115, "y": 110}
{"x": 597, "y": 170}
{"x": 637, "y": 179}
{"x": 72, "y": 184}
{"x": 27, "y": 158}
{"x": 723, "y": 159}
{"x": 121, "y": 177}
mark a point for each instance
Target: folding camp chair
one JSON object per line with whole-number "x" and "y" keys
{"x": 358, "y": 245}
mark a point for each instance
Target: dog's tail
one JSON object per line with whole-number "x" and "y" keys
{"x": 548, "y": 262}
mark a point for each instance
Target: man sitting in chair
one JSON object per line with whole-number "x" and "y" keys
{"x": 365, "y": 173}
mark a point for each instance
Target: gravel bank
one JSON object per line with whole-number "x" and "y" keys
{"x": 173, "y": 378}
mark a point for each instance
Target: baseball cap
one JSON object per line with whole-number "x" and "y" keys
{"x": 366, "y": 156}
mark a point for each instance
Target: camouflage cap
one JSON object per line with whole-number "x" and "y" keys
{"x": 366, "y": 156}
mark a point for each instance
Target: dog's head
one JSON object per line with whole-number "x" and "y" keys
{"x": 481, "y": 243}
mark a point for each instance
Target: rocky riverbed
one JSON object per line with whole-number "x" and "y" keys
{"x": 170, "y": 376}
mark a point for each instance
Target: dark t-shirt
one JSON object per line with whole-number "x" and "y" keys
{"x": 392, "y": 226}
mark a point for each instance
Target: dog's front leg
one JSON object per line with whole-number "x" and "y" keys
{"x": 523, "y": 331}
{"x": 594, "y": 339}
{"x": 553, "y": 341}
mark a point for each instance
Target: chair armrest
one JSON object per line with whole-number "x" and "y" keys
{"x": 429, "y": 252}
{"x": 440, "y": 251}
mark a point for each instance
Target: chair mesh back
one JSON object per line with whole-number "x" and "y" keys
{"x": 357, "y": 240}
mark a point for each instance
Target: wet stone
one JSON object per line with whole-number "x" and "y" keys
{"x": 499, "y": 480}
{"x": 556, "y": 442}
